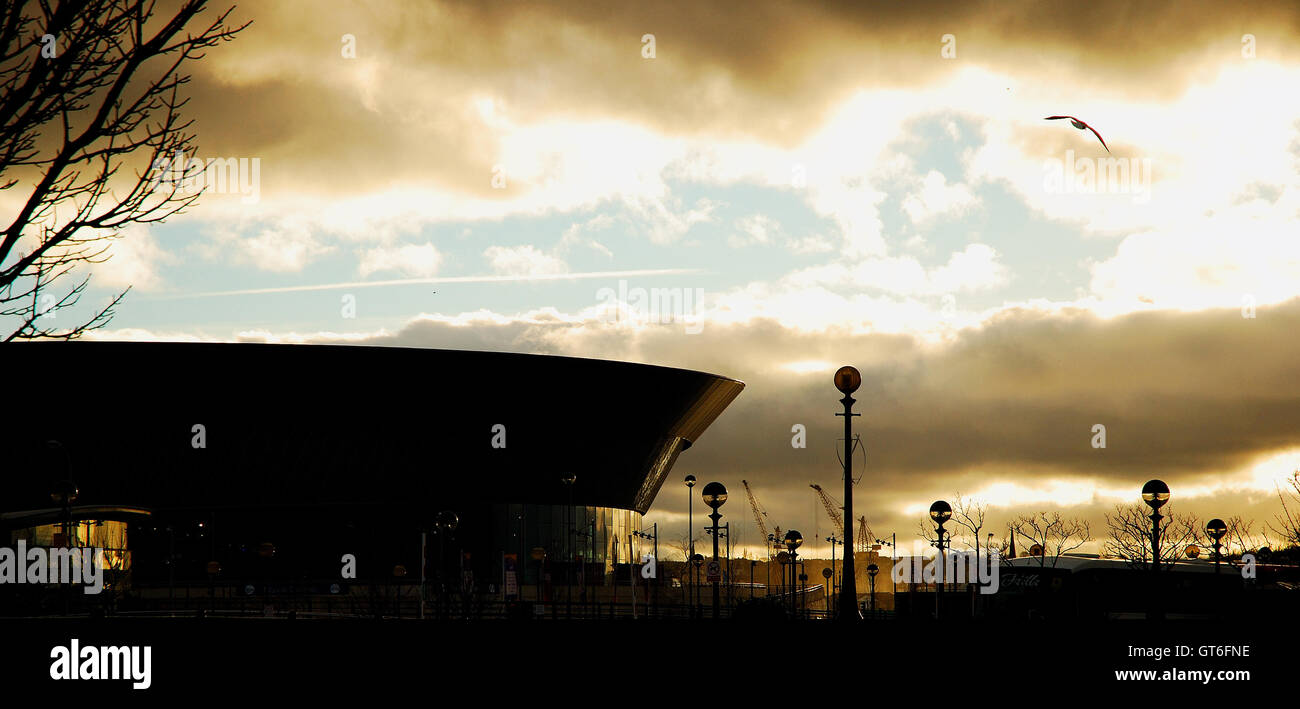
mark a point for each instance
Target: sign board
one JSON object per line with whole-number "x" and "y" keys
{"x": 714, "y": 570}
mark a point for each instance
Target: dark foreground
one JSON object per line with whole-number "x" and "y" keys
{"x": 528, "y": 661}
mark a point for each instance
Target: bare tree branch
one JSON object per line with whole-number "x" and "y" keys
{"x": 1129, "y": 530}
{"x": 1287, "y": 523}
{"x": 1054, "y": 534}
{"x": 74, "y": 112}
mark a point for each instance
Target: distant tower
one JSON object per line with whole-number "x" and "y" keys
{"x": 1011, "y": 550}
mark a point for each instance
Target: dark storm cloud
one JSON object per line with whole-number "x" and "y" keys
{"x": 1186, "y": 397}
{"x": 768, "y": 71}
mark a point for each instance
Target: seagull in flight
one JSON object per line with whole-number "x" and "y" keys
{"x": 1081, "y": 125}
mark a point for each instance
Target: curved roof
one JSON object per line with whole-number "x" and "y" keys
{"x": 339, "y": 424}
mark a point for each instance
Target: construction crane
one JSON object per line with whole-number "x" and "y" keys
{"x": 760, "y": 515}
{"x": 832, "y": 506}
{"x": 865, "y": 539}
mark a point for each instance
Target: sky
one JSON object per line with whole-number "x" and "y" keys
{"x": 815, "y": 184}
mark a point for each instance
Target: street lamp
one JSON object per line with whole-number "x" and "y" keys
{"x": 65, "y": 492}
{"x": 445, "y": 523}
{"x": 568, "y": 480}
{"x": 847, "y": 381}
{"x": 793, "y": 540}
{"x": 715, "y": 495}
{"x": 1216, "y": 529}
{"x": 833, "y": 540}
{"x": 783, "y": 558}
{"x": 803, "y": 587}
{"x": 1155, "y": 493}
{"x": 690, "y": 539}
{"x": 940, "y": 512}
{"x": 654, "y": 537}
{"x": 872, "y": 570}
{"x": 696, "y": 559}
{"x": 772, "y": 543}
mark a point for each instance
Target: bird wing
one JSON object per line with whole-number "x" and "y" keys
{"x": 1103, "y": 142}
{"x": 1094, "y": 130}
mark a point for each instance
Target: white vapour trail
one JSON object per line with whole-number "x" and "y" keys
{"x": 447, "y": 279}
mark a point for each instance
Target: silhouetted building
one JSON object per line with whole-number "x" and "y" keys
{"x": 274, "y": 461}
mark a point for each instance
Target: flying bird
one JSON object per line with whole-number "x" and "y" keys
{"x": 1081, "y": 125}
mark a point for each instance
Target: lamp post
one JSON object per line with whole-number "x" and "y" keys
{"x": 725, "y": 531}
{"x": 847, "y": 381}
{"x": 772, "y": 543}
{"x": 655, "y": 538}
{"x": 1155, "y": 493}
{"x": 690, "y": 541}
{"x": 445, "y": 524}
{"x": 793, "y": 540}
{"x": 893, "y": 555}
{"x": 1216, "y": 529}
{"x": 803, "y": 590}
{"x": 65, "y": 493}
{"x": 872, "y": 570}
{"x": 697, "y": 559}
{"x": 715, "y": 495}
{"x": 833, "y": 540}
{"x": 783, "y": 558}
{"x": 568, "y": 480}
{"x": 940, "y": 512}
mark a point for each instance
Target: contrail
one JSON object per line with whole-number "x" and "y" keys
{"x": 449, "y": 279}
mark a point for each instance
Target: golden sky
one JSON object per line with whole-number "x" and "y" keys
{"x": 867, "y": 183}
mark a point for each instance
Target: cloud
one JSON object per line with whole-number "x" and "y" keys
{"x": 286, "y": 247}
{"x": 420, "y": 260}
{"x": 937, "y": 198}
{"x": 754, "y": 229}
{"x": 814, "y": 244}
{"x": 972, "y": 269}
{"x": 1204, "y": 400}
{"x": 526, "y": 260}
{"x": 1200, "y": 267}
{"x": 135, "y": 260}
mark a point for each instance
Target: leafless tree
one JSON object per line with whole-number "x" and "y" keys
{"x": 1130, "y": 535}
{"x": 1056, "y": 535}
{"x": 1241, "y": 538}
{"x": 968, "y": 512}
{"x": 85, "y": 87}
{"x": 682, "y": 546}
{"x": 1002, "y": 549}
{"x": 1287, "y": 523}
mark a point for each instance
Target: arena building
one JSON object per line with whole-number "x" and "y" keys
{"x": 257, "y": 466}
